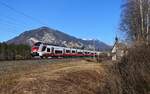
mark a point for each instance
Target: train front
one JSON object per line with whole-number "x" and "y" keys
{"x": 35, "y": 50}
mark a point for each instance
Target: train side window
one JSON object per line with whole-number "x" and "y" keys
{"x": 73, "y": 51}
{"x": 44, "y": 48}
{"x": 80, "y": 53}
{"x": 67, "y": 51}
{"x": 48, "y": 49}
{"x": 58, "y": 52}
{"x": 86, "y": 52}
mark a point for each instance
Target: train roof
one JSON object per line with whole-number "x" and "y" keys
{"x": 38, "y": 43}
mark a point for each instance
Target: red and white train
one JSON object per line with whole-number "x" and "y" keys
{"x": 44, "y": 50}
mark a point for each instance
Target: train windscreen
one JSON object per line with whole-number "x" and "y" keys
{"x": 37, "y": 44}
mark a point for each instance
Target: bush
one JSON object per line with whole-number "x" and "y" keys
{"x": 131, "y": 75}
{"x": 134, "y": 69}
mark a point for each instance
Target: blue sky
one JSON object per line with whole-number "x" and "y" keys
{"x": 86, "y": 19}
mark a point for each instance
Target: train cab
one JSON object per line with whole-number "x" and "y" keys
{"x": 35, "y": 49}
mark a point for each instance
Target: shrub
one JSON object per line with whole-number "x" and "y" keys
{"x": 134, "y": 69}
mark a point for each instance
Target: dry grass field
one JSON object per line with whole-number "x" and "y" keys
{"x": 52, "y": 77}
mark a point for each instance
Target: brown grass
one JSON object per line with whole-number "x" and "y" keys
{"x": 75, "y": 76}
{"x": 43, "y": 77}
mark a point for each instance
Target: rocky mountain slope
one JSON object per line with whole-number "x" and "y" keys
{"x": 56, "y": 37}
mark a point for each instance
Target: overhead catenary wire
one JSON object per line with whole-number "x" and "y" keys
{"x": 8, "y": 23}
{"x": 22, "y": 13}
{"x": 12, "y": 22}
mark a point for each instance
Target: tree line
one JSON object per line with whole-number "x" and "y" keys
{"x": 14, "y": 52}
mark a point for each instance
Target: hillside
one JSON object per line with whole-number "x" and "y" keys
{"x": 56, "y": 37}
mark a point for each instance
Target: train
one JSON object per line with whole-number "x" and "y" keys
{"x": 44, "y": 50}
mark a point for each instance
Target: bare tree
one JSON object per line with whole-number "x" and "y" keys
{"x": 135, "y": 19}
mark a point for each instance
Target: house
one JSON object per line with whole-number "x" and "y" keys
{"x": 118, "y": 51}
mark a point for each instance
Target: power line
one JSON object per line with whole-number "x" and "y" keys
{"x": 12, "y": 22}
{"x": 6, "y": 22}
{"x": 22, "y": 13}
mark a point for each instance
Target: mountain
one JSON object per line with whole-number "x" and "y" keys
{"x": 56, "y": 37}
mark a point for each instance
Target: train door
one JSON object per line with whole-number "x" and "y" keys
{"x": 52, "y": 50}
